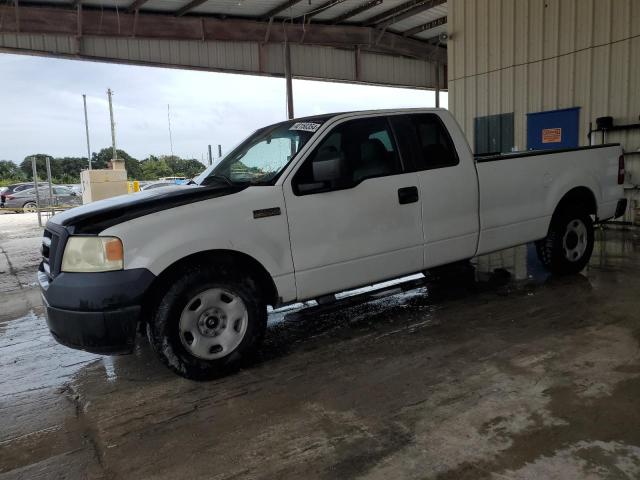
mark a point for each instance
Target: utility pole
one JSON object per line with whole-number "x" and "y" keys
{"x": 288, "y": 79}
{"x": 219, "y": 151}
{"x": 86, "y": 127}
{"x": 210, "y": 156}
{"x": 113, "y": 126}
{"x": 437, "y": 84}
{"x": 169, "y": 120}
{"x": 35, "y": 184}
{"x": 51, "y": 199}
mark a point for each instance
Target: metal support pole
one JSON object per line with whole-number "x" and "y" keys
{"x": 35, "y": 184}
{"x": 219, "y": 151}
{"x": 437, "y": 84}
{"x": 51, "y": 206}
{"x": 86, "y": 127}
{"x": 288, "y": 79}
{"x": 170, "y": 136}
{"x": 113, "y": 126}
{"x": 210, "y": 156}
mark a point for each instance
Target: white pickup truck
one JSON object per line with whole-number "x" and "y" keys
{"x": 300, "y": 210}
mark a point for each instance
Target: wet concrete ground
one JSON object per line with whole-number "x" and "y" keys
{"x": 527, "y": 381}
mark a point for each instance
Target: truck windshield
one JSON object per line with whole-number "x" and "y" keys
{"x": 262, "y": 156}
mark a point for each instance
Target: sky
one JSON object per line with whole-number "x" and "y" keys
{"x": 41, "y": 106}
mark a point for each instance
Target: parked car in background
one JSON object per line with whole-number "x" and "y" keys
{"x": 16, "y": 187}
{"x": 176, "y": 180}
{"x": 153, "y": 185}
{"x": 26, "y": 200}
{"x": 76, "y": 187}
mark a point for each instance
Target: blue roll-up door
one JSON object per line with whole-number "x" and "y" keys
{"x": 553, "y": 129}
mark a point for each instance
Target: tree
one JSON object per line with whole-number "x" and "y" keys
{"x": 169, "y": 166}
{"x": 41, "y": 166}
{"x": 63, "y": 170}
{"x": 192, "y": 168}
{"x": 183, "y": 168}
{"x": 100, "y": 159}
{"x": 69, "y": 169}
{"x": 10, "y": 171}
{"x": 154, "y": 169}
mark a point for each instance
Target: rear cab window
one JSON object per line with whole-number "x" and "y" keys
{"x": 426, "y": 140}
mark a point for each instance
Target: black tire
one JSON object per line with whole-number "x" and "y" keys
{"x": 568, "y": 245}
{"x": 29, "y": 207}
{"x": 164, "y": 329}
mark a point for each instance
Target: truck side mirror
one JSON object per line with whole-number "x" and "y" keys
{"x": 328, "y": 168}
{"x": 327, "y": 172}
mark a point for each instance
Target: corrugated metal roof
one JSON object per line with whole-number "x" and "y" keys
{"x": 432, "y": 32}
{"x": 421, "y": 18}
{"x": 258, "y": 9}
{"x": 307, "y": 61}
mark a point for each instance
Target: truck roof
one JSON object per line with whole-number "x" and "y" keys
{"x": 326, "y": 116}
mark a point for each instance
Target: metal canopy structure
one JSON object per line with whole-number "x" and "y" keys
{"x": 388, "y": 42}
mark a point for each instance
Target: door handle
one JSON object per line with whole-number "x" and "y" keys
{"x": 408, "y": 195}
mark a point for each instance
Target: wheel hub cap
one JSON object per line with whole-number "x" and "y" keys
{"x": 574, "y": 242}
{"x": 213, "y": 323}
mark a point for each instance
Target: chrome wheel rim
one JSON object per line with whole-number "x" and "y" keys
{"x": 213, "y": 323}
{"x": 30, "y": 208}
{"x": 574, "y": 242}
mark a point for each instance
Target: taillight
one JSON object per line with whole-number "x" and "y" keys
{"x": 621, "y": 170}
{"x": 8, "y": 197}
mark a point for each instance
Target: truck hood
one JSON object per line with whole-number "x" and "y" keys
{"x": 102, "y": 214}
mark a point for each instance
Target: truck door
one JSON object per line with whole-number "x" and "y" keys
{"x": 353, "y": 210}
{"x": 448, "y": 188}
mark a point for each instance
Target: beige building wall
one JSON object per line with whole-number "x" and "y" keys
{"x": 526, "y": 56}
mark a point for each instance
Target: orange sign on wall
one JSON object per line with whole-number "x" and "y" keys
{"x": 551, "y": 135}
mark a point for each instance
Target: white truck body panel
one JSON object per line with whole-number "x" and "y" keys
{"x": 519, "y": 195}
{"x": 449, "y": 198}
{"x": 158, "y": 240}
{"x": 346, "y": 238}
{"x": 329, "y": 242}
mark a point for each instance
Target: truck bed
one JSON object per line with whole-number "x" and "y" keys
{"x": 520, "y": 191}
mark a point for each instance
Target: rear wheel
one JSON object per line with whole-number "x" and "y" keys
{"x": 30, "y": 207}
{"x": 208, "y": 323}
{"x": 569, "y": 243}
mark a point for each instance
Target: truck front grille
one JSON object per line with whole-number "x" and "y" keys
{"x": 49, "y": 246}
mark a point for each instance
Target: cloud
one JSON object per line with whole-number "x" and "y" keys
{"x": 41, "y": 106}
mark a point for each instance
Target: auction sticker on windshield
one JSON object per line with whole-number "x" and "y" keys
{"x": 305, "y": 126}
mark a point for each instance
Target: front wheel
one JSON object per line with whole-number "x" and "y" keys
{"x": 569, "y": 243}
{"x": 208, "y": 323}
{"x": 30, "y": 207}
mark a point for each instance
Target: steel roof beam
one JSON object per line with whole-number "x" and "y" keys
{"x": 402, "y": 12}
{"x": 188, "y": 7}
{"x": 280, "y": 8}
{"x": 425, "y": 26}
{"x": 135, "y": 5}
{"x": 356, "y": 11}
{"x": 108, "y": 23}
{"x": 322, "y": 8}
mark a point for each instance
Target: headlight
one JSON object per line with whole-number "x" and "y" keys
{"x": 92, "y": 254}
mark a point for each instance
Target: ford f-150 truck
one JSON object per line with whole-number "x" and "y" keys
{"x": 303, "y": 209}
